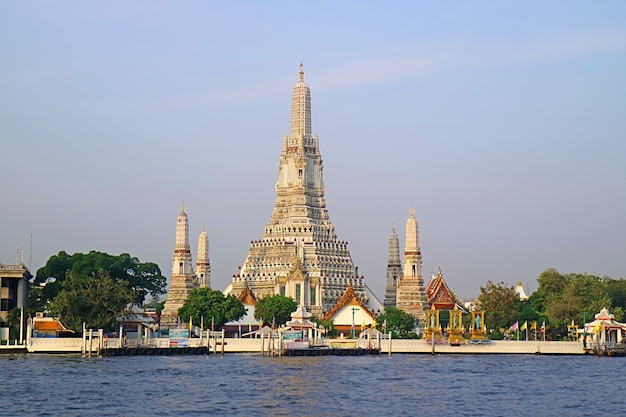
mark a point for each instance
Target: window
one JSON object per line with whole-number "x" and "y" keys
{"x": 282, "y": 290}
{"x": 298, "y": 293}
{"x": 313, "y": 300}
{"x": 299, "y": 173}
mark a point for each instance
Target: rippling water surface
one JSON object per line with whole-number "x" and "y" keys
{"x": 249, "y": 384}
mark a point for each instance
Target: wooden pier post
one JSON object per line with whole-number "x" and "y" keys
{"x": 90, "y": 341}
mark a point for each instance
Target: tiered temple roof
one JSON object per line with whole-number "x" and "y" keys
{"x": 439, "y": 295}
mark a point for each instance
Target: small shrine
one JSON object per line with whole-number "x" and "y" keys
{"x": 478, "y": 331}
{"x": 605, "y": 328}
{"x": 350, "y": 314}
{"x": 300, "y": 332}
{"x": 441, "y": 297}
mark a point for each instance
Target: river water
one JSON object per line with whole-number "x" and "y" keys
{"x": 252, "y": 385}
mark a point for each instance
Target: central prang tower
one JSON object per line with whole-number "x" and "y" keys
{"x": 299, "y": 255}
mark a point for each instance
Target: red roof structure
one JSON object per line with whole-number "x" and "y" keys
{"x": 439, "y": 295}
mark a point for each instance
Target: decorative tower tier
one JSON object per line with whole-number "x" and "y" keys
{"x": 182, "y": 273}
{"x": 394, "y": 269}
{"x": 411, "y": 294}
{"x": 299, "y": 255}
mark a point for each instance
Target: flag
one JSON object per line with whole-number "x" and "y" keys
{"x": 362, "y": 325}
{"x": 524, "y": 326}
{"x": 384, "y": 325}
{"x": 514, "y": 327}
{"x": 190, "y": 325}
{"x": 543, "y": 327}
{"x": 534, "y": 325}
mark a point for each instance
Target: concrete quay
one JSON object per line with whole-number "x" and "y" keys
{"x": 258, "y": 345}
{"x": 502, "y": 347}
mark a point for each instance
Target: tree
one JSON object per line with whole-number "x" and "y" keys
{"x": 96, "y": 300}
{"x": 142, "y": 278}
{"x": 211, "y": 306}
{"x": 328, "y": 325}
{"x": 275, "y": 309}
{"x": 579, "y": 293}
{"x": 399, "y": 322}
{"x": 617, "y": 291}
{"x": 499, "y": 303}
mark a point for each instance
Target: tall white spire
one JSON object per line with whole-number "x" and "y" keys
{"x": 301, "y": 109}
{"x": 203, "y": 266}
{"x": 181, "y": 261}
{"x": 299, "y": 254}
{"x": 182, "y": 280}
{"x": 411, "y": 295}
{"x": 412, "y": 253}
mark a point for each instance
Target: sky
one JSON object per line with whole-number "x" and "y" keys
{"x": 502, "y": 124}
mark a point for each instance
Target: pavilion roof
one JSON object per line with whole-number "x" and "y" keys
{"x": 604, "y": 320}
{"x": 348, "y": 298}
{"x": 247, "y": 297}
{"x": 439, "y": 295}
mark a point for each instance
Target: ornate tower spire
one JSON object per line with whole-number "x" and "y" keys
{"x": 412, "y": 253}
{"x": 394, "y": 269}
{"x": 182, "y": 280}
{"x": 299, "y": 255}
{"x": 181, "y": 261}
{"x": 411, "y": 294}
{"x": 203, "y": 265}
{"x": 300, "y": 109}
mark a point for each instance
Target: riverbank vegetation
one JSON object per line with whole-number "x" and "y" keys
{"x": 559, "y": 300}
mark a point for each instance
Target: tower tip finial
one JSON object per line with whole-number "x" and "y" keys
{"x": 301, "y": 73}
{"x": 182, "y": 208}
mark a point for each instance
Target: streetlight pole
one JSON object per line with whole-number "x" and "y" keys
{"x": 353, "y": 325}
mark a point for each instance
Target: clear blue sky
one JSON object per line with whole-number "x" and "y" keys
{"x": 502, "y": 124}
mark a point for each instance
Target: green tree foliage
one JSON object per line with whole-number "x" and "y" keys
{"x": 399, "y": 322}
{"x": 328, "y": 325}
{"x": 142, "y": 278}
{"x": 565, "y": 297}
{"x": 210, "y": 306}
{"x": 617, "y": 292}
{"x": 13, "y": 321}
{"x": 275, "y": 309}
{"x": 96, "y": 300}
{"x": 500, "y": 304}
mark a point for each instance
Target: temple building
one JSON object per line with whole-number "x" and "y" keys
{"x": 394, "y": 269}
{"x": 299, "y": 254}
{"x": 184, "y": 279}
{"x": 411, "y": 294}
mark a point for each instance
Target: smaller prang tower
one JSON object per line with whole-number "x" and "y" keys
{"x": 203, "y": 266}
{"x": 182, "y": 273}
{"x": 411, "y": 294}
{"x": 394, "y": 269}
